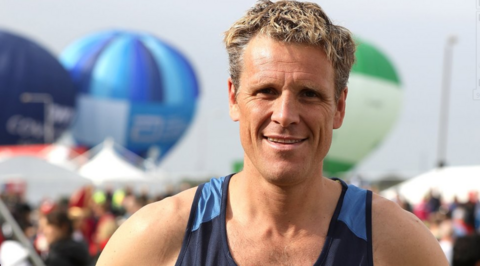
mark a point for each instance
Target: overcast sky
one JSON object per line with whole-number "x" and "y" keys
{"x": 411, "y": 33}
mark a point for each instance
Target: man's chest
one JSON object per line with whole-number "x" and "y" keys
{"x": 263, "y": 249}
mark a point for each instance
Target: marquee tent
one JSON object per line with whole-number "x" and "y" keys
{"x": 448, "y": 181}
{"x": 107, "y": 167}
{"x": 41, "y": 178}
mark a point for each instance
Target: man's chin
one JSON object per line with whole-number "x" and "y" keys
{"x": 284, "y": 176}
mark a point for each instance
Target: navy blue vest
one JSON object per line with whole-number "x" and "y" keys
{"x": 348, "y": 242}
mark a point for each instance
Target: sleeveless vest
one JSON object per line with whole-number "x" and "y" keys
{"x": 348, "y": 241}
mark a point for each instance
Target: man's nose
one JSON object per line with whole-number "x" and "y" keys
{"x": 285, "y": 110}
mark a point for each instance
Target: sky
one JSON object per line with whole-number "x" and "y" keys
{"x": 411, "y": 33}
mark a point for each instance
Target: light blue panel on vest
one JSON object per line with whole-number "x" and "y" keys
{"x": 209, "y": 202}
{"x": 353, "y": 211}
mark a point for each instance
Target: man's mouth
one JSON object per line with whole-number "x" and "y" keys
{"x": 284, "y": 140}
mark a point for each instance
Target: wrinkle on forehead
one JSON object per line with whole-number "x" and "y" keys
{"x": 269, "y": 59}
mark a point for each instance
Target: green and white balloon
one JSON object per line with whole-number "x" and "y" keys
{"x": 373, "y": 104}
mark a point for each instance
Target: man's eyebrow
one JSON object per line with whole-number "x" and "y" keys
{"x": 264, "y": 84}
{"x": 263, "y": 80}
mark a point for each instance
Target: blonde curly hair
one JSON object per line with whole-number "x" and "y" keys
{"x": 292, "y": 22}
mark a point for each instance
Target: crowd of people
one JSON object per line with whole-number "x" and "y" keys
{"x": 455, "y": 224}
{"x": 74, "y": 231}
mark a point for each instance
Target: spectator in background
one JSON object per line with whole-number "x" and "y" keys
{"x": 80, "y": 209}
{"x": 434, "y": 202}
{"x": 403, "y": 203}
{"x": 434, "y": 222}
{"x": 21, "y": 214}
{"x": 421, "y": 209}
{"x": 143, "y": 198}
{"x": 131, "y": 204}
{"x": 40, "y": 243}
{"x": 106, "y": 223}
{"x": 477, "y": 213}
{"x": 466, "y": 251}
{"x": 460, "y": 228}
{"x": 446, "y": 239}
{"x": 63, "y": 250}
{"x": 77, "y": 216}
{"x": 452, "y": 206}
{"x": 109, "y": 198}
{"x": 469, "y": 207}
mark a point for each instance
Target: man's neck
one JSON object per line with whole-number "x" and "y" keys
{"x": 285, "y": 209}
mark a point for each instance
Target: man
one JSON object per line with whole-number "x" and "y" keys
{"x": 289, "y": 67}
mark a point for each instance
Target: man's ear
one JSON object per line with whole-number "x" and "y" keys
{"x": 232, "y": 100}
{"x": 340, "y": 109}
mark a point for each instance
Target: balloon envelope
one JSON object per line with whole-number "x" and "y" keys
{"x": 133, "y": 87}
{"x": 37, "y": 96}
{"x": 373, "y": 104}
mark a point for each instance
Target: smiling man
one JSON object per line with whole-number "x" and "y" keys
{"x": 289, "y": 68}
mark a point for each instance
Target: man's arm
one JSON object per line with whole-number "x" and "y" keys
{"x": 400, "y": 238}
{"x": 152, "y": 236}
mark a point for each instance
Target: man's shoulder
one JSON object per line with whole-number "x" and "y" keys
{"x": 400, "y": 238}
{"x": 156, "y": 231}
{"x": 169, "y": 214}
{"x": 175, "y": 206}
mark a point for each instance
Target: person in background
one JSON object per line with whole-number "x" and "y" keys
{"x": 434, "y": 201}
{"x": 476, "y": 212}
{"x": 106, "y": 223}
{"x": 453, "y": 205}
{"x": 63, "y": 250}
{"x": 40, "y": 243}
{"x": 131, "y": 205}
{"x": 143, "y": 197}
{"x": 421, "y": 209}
{"x": 469, "y": 208}
{"x": 466, "y": 251}
{"x": 80, "y": 206}
{"x": 460, "y": 227}
{"x": 446, "y": 239}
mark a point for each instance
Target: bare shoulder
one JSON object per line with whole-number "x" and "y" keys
{"x": 400, "y": 238}
{"x": 153, "y": 235}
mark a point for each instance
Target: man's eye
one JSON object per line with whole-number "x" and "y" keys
{"x": 268, "y": 91}
{"x": 309, "y": 93}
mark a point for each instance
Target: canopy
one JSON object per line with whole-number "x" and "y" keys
{"x": 41, "y": 178}
{"x": 108, "y": 167}
{"x": 448, "y": 181}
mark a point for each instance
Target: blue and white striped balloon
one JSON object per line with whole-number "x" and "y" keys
{"x": 133, "y": 87}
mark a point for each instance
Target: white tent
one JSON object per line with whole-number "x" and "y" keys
{"x": 42, "y": 178}
{"x": 448, "y": 181}
{"x": 107, "y": 167}
{"x": 59, "y": 154}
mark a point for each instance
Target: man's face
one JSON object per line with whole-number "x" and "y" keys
{"x": 286, "y": 109}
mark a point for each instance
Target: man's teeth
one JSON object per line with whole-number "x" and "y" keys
{"x": 284, "y": 140}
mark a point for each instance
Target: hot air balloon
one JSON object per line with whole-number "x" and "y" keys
{"x": 37, "y": 96}
{"x": 134, "y": 88}
{"x": 373, "y": 104}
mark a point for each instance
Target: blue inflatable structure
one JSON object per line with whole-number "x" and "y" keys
{"x": 134, "y": 88}
{"x": 37, "y": 96}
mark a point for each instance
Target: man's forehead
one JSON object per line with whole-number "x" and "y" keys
{"x": 266, "y": 58}
{"x": 263, "y": 45}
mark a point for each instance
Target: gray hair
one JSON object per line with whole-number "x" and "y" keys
{"x": 292, "y": 22}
